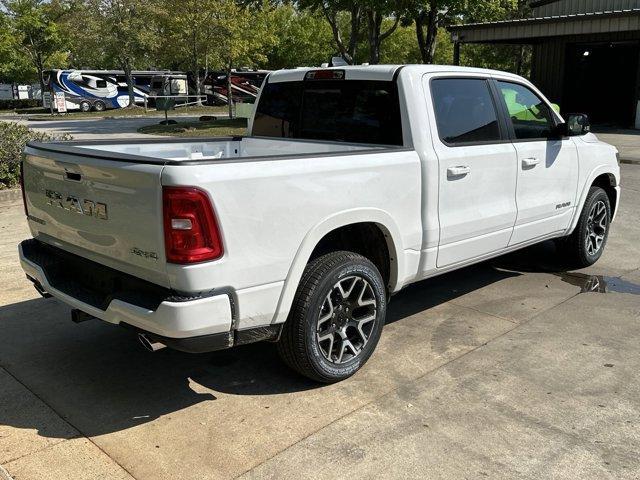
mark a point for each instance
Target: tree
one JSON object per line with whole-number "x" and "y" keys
{"x": 128, "y": 34}
{"x": 334, "y": 11}
{"x": 240, "y": 37}
{"x": 303, "y": 38}
{"x": 376, "y": 12}
{"x": 36, "y": 32}
{"x": 188, "y": 29}
{"x": 430, "y": 15}
{"x": 84, "y": 30}
{"x": 400, "y": 46}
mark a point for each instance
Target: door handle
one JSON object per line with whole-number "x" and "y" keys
{"x": 458, "y": 171}
{"x": 530, "y": 162}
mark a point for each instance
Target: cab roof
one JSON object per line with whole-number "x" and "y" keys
{"x": 378, "y": 72}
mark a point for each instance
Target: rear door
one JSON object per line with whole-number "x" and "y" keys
{"x": 107, "y": 211}
{"x": 477, "y": 168}
{"x": 547, "y": 165}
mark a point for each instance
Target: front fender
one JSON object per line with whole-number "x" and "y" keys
{"x": 595, "y": 173}
{"x": 313, "y": 237}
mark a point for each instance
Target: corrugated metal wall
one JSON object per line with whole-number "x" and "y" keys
{"x": 549, "y": 60}
{"x": 566, "y": 7}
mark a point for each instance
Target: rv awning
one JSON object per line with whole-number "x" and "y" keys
{"x": 531, "y": 30}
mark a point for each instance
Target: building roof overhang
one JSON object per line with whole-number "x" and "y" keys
{"x": 532, "y": 30}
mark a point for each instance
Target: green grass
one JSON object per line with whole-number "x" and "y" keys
{"x": 218, "y": 128}
{"x": 133, "y": 112}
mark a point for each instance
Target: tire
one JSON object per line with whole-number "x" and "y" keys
{"x": 336, "y": 318}
{"x": 85, "y": 106}
{"x": 585, "y": 245}
{"x": 99, "y": 106}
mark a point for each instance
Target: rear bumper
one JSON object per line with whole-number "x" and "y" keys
{"x": 195, "y": 323}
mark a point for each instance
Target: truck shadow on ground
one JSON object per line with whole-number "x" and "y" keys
{"x": 98, "y": 378}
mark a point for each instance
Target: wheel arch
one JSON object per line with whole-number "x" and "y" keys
{"x": 602, "y": 177}
{"x": 326, "y": 232}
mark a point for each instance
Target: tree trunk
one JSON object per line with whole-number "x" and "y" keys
{"x": 229, "y": 92}
{"x": 40, "y": 68}
{"x": 356, "y": 15}
{"x": 198, "y": 88}
{"x": 427, "y": 43}
{"x": 347, "y": 52}
{"x": 126, "y": 66}
{"x": 42, "y": 86}
{"x": 373, "y": 23}
{"x": 376, "y": 37}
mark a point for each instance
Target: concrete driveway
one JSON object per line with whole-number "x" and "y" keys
{"x": 508, "y": 369}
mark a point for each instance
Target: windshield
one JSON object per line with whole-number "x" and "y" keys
{"x": 356, "y": 111}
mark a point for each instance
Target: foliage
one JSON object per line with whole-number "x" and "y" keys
{"x": 303, "y": 38}
{"x": 13, "y": 139}
{"x": 429, "y": 16}
{"x": 128, "y": 35}
{"x": 84, "y": 30}
{"x": 400, "y": 46}
{"x": 203, "y": 35}
{"x": 34, "y": 30}
{"x": 346, "y": 19}
{"x": 13, "y": 104}
{"x": 188, "y": 28}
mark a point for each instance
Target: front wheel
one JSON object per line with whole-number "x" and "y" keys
{"x": 585, "y": 245}
{"x": 336, "y": 318}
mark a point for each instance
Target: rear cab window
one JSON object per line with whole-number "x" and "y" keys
{"x": 356, "y": 111}
{"x": 465, "y": 111}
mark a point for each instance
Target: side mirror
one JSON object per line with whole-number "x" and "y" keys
{"x": 577, "y": 124}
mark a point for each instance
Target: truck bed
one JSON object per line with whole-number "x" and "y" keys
{"x": 103, "y": 200}
{"x": 181, "y": 150}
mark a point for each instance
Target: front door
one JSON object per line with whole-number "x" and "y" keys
{"x": 547, "y": 165}
{"x": 477, "y": 169}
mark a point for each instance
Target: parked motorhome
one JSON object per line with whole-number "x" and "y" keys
{"x": 100, "y": 90}
{"x": 245, "y": 85}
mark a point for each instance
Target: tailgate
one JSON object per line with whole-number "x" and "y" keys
{"x": 106, "y": 210}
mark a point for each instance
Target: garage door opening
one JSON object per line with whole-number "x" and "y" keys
{"x": 602, "y": 81}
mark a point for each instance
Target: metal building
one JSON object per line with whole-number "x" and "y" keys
{"x": 586, "y": 54}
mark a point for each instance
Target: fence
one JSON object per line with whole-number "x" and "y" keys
{"x": 177, "y": 98}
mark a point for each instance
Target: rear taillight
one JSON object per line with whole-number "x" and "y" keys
{"x": 24, "y": 195}
{"x": 190, "y": 228}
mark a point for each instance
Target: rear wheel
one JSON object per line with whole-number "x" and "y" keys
{"x": 585, "y": 245}
{"x": 99, "y": 106}
{"x": 336, "y": 318}
{"x": 85, "y": 106}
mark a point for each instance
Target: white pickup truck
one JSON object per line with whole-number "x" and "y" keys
{"x": 353, "y": 183}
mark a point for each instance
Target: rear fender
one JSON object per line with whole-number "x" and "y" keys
{"x": 313, "y": 237}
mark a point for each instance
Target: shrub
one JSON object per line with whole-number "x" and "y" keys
{"x": 13, "y": 104}
{"x": 13, "y": 138}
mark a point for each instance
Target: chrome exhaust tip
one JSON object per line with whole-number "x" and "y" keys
{"x": 149, "y": 344}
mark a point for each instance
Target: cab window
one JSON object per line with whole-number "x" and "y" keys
{"x": 530, "y": 116}
{"x": 465, "y": 111}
